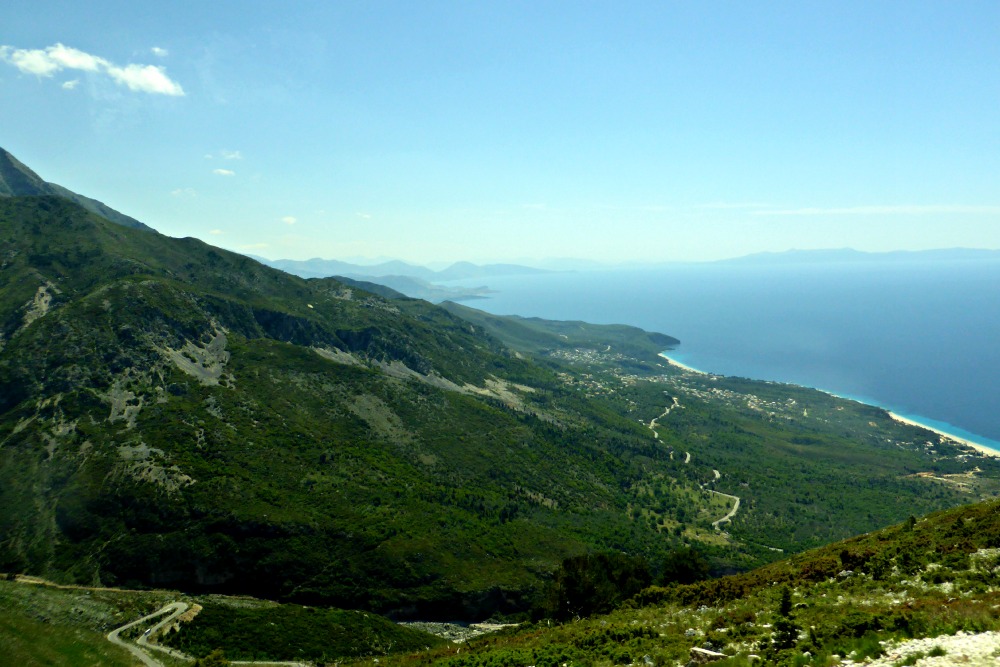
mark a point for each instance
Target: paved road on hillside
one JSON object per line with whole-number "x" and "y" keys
{"x": 687, "y": 459}
{"x": 652, "y": 423}
{"x": 732, "y": 512}
{"x": 177, "y": 608}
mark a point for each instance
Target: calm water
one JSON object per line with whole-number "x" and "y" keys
{"x": 920, "y": 338}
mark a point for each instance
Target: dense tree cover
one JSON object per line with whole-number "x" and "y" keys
{"x": 939, "y": 578}
{"x": 594, "y": 583}
{"x": 255, "y": 631}
{"x": 683, "y": 566}
{"x": 173, "y": 414}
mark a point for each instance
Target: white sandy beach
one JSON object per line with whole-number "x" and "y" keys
{"x": 983, "y": 449}
{"x": 682, "y": 366}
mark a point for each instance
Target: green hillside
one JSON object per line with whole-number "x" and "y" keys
{"x": 173, "y": 414}
{"x": 17, "y": 180}
{"x": 923, "y": 592}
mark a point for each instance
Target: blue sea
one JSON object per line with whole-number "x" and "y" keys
{"x": 921, "y": 338}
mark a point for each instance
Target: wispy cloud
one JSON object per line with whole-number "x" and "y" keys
{"x": 224, "y": 154}
{"x": 733, "y": 205}
{"x": 184, "y": 193}
{"x": 216, "y": 232}
{"x": 159, "y": 53}
{"x": 230, "y": 155}
{"x": 289, "y": 220}
{"x": 223, "y": 172}
{"x": 902, "y": 209}
{"x": 70, "y": 85}
{"x": 53, "y": 59}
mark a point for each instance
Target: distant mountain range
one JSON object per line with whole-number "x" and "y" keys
{"x": 325, "y": 268}
{"x": 174, "y": 414}
{"x": 418, "y": 282}
{"x": 424, "y": 283}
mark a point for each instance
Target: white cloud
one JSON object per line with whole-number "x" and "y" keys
{"x": 58, "y": 57}
{"x": 70, "y": 58}
{"x": 904, "y": 209}
{"x": 159, "y": 53}
{"x": 223, "y": 172}
{"x": 289, "y": 220}
{"x": 70, "y": 85}
{"x": 364, "y": 216}
{"x": 184, "y": 193}
{"x": 33, "y": 61}
{"x": 145, "y": 79}
{"x": 216, "y": 232}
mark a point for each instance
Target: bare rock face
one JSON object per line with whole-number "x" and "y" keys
{"x": 702, "y": 656}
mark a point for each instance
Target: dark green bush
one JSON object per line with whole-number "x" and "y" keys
{"x": 594, "y": 583}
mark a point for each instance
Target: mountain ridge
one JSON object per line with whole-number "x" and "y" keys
{"x": 176, "y": 414}
{"x": 16, "y": 179}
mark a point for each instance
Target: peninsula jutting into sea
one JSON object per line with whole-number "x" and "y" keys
{"x": 914, "y": 335}
{"x": 499, "y": 334}
{"x": 978, "y": 443}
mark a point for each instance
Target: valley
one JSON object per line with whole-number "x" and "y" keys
{"x": 175, "y": 416}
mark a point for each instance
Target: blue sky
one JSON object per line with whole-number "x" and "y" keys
{"x": 440, "y": 131}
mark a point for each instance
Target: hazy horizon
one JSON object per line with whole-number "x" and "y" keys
{"x": 820, "y": 253}
{"x": 648, "y": 132}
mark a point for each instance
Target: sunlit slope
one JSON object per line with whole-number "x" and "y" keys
{"x": 175, "y": 414}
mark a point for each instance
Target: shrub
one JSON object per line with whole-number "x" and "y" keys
{"x": 595, "y": 583}
{"x": 683, "y": 566}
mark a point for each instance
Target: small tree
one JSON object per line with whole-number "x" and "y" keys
{"x": 786, "y": 631}
{"x": 595, "y": 583}
{"x": 683, "y": 566}
{"x": 216, "y": 658}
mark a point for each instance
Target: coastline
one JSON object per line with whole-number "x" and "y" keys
{"x": 982, "y": 449}
{"x": 683, "y": 367}
{"x": 965, "y": 442}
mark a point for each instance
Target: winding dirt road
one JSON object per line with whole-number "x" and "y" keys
{"x": 652, "y": 423}
{"x": 177, "y": 608}
{"x": 114, "y": 637}
{"x": 732, "y": 512}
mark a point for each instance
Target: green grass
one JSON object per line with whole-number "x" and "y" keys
{"x": 301, "y": 479}
{"x": 41, "y": 625}
{"x": 847, "y": 615}
{"x": 30, "y": 642}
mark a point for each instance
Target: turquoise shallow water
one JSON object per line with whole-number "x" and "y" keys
{"x": 944, "y": 427}
{"x": 920, "y": 338}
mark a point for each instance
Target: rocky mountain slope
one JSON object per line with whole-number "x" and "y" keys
{"x": 922, "y": 593}
{"x": 925, "y": 593}
{"x": 172, "y": 414}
